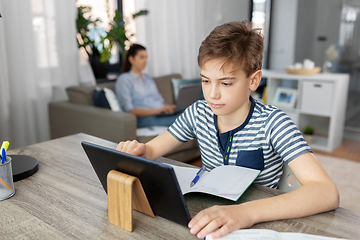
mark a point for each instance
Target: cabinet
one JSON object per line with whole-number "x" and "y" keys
{"x": 320, "y": 101}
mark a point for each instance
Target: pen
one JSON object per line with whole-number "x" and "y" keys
{"x": 3, "y": 156}
{"x": 5, "y": 145}
{"x": 198, "y": 175}
{"x": 5, "y": 184}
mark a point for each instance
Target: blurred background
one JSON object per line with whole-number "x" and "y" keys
{"x": 42, "y": 51}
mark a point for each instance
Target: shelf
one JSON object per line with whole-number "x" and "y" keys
{"x": 319, "y": 143}
{"x": 315, "y": 114}
{"x": 320, "y": 102}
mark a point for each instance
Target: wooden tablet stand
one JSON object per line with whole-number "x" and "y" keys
{"x": 125, "y": 193}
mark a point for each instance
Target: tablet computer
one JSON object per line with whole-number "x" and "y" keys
{"x": 158, "y": 180}
{"x": 188, "y": 94}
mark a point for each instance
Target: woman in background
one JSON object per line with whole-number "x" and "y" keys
{"x": 137, "y": 92}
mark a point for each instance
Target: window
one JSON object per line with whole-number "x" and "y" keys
{"x": 45, "y": 33}
{"x": 260, "y": 18}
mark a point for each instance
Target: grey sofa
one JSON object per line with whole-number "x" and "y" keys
{"x": 79, "y": 114}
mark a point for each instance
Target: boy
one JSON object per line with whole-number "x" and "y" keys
{"x": 233, "y": 128}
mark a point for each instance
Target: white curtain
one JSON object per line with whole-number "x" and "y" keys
{"x": 38, "y": 59}
{"x": 173, "y": 30}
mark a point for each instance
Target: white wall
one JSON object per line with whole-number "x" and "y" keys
{"x": 173, "y": 31}
{"x": 219, "y": 12}
{"x": 283, "y": 34}
{"x": 316, "y": 19}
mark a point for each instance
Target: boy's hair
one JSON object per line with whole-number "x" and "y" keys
{"x": 236, "y": 43}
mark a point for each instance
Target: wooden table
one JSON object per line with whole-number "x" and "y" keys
{"x": 65, "y": 200}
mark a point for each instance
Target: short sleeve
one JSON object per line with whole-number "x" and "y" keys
{"x": 183, "y": 129}
{"x": 285, "y": 137}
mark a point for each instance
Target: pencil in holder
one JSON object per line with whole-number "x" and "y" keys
{"x": 6, "y": 180}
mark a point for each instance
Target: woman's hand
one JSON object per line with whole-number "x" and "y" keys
{"x": 223, "y": 219}
{"x": 132, "y": 147}
{"x": 167, "y": 108}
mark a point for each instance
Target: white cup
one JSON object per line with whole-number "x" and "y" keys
{"x": 298, "y": 65}
{"x": 308, "y": 64}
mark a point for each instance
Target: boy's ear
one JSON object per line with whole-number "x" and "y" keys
{"x": 255, "y": 79}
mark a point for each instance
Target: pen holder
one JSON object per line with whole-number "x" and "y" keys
{"x": 6, "y": 180}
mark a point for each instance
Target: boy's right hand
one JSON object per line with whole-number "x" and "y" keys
{"x": 132, "y": 147}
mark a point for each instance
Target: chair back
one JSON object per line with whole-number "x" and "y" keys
{"x": 288, "y": 181}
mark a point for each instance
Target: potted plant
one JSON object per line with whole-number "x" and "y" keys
{"x": 308, "y": 133}
{"x": 98, "y": 42}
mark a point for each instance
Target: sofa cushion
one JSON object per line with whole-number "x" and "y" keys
{"x": 106, "y": 98}
{"x": 85, "y": 94}
{"x": 81, "y": 94}
{"x": 112, "y": 100}
{"x": 109, "y": 85}
{"x": 100, "y": 98}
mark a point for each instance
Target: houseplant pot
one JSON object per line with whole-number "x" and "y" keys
{"x": 99, "y": 68}
{"x": 309, "y": 134}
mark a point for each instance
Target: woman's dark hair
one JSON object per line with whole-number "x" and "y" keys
{"x": 131, "y": 52}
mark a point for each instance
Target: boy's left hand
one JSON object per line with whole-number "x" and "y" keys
{"x": 223, "y": 219}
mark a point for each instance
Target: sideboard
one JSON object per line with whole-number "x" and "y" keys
{"x": 317, "y": 100}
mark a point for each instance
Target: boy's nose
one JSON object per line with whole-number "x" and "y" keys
{"x": 214, "y": 92}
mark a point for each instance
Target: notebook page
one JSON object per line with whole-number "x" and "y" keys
{"x": 303, "y": 236}
{"x": 249, "y": 234}
{"x": 266, "y": 234}
{"x": 225, "y": 181}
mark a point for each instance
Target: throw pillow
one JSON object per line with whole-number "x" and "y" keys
{"x": 176, "y": 83}
{"x": 106, "y": 98}
{"x": 100, "y": 98}
{"x": 112, "y": 100}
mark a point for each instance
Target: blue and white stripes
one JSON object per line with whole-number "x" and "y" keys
{"x": 269, "y": 129}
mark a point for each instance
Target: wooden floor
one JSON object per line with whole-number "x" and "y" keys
{"x": 349, "y": 149}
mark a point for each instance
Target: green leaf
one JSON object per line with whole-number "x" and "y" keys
{"x": 116, "y": 34}
{"x": 140, "y": 13}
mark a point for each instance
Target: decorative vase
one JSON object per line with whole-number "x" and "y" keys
{"x": 327, "y": 67}
{"x": 100, "y": 69}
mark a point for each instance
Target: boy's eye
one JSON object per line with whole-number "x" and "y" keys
{"x": 226, "y": 84}
{"x": 204, "y": 81}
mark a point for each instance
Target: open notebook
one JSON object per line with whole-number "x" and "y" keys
{"x": 260, "y": 234}
{"x": 227, "y": 181}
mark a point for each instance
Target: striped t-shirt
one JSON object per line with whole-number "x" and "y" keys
{"x": 266, "y": 138}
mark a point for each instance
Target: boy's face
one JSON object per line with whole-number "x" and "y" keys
{"x": 226, "y": 91}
